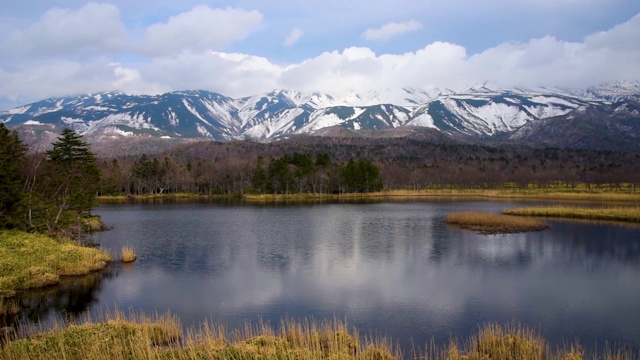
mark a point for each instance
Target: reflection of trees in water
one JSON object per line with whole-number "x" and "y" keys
{"x": 71, "y": 298}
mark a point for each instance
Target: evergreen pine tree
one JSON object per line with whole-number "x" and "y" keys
{"x": 74, "y": 176}
{"x": 12, "y": 158}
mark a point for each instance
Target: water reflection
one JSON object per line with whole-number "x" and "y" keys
{"x": 392, "y": 268}
{"x": 72, "y": 297}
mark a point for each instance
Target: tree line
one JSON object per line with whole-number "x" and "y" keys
{"x": 338, "y": 165}
{"x": 53, "y": 191}
{"x": 56, "y": 190}
{"x": 287, "y": 174}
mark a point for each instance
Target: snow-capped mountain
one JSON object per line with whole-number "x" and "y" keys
{"x": 479, "y": 111}
{"x": 620, "y": 91}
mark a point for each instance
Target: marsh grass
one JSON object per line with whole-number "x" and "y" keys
{"x": 33, "y": 260}
{"x": 603, "y": 213}
{"x": 93, "y": 223}
{"x": 128, "y": 255}
{"x": 161, "y": 337}
{"x": 487, "y": 223}
{"x": 451, "y": 193}
{"x": 117, "y": 336}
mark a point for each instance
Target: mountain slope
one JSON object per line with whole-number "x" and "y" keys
{"x": 474, "y": 113}
{"x": 608, "y": 127}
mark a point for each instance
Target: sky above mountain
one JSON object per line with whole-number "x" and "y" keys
{"x": 246, "y": 47}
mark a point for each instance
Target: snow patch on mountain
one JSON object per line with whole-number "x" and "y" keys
{"x": 19, "y": 110}
{"x": 45, "y": 110}
{"x": 195, "y": 113}
{"x": 284, "y": 123}
{"x": 478, "y": 110}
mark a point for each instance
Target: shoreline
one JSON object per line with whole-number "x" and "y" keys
{"x": 439, "y": 194}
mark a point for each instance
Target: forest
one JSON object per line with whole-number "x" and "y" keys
{"x": 342, "y": 165}
{"x": 55, "y": 190}
{"x": 51, "y": 192}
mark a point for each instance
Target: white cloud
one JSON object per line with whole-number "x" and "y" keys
{"x": 546, "y": 61}
{"x": 390, "y": 30}
{"x": 231, "y": 74}
{"x": 199, "y": 29}
{"x": 94, "y": 28}
{"x": 293, "y": 37}
{"x": 63, "y": 77}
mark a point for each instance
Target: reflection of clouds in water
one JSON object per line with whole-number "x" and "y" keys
{"x": 387, "y": 265}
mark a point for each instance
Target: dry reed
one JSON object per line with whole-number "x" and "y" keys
{"x": 118, "y": 336}
{"x": 128, "y": 255}
{"x": 618, "y": 213}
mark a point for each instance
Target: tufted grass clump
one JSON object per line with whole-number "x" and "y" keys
{"x": 162, "y": 337}
{"x": 128, "y": 255}
{"x": 487, "y": 223}
{"x": 30, "y": 261}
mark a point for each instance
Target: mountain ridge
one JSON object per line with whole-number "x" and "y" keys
{"x": 476, "y": 112}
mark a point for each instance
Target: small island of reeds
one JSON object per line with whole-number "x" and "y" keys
{"x": 487, "y": 223}
{"x": 128, "y": 255}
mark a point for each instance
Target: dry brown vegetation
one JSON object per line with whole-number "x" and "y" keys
{"x": 209, "y": 168}
{"x": 161, "y": 337}
{"x": 487, "y": 223}
{"x": 601, "y": 213}
{"x": 128, "y": 255}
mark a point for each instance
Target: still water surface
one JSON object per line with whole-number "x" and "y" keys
{"x": 387, "y": 268}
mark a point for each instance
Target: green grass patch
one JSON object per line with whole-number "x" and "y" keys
{"x": 33, "y": 260}
{"x": 617, "y": 213}
{"x": 487, "y": 223}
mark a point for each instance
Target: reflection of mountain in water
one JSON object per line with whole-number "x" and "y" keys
{"x": 72, "y": 297}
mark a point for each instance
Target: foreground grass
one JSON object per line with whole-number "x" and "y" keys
{"x": 161, "y": 337}
{"x": 32, "y": 261}
{"x": 619, "y": 213}
{"x": 487, "y": 223}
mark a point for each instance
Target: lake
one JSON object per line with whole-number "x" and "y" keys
{"x": 387, "y": 268}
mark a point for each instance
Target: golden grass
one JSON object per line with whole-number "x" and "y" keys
{"x": 161, "y": 337}
{"x": 580, "y": 192}
{"x": 33, "y": 260}
{"x": 128, "y": 255}
{"x": 601, "y": 213}
{"x": 487, "y": 223}
{"x": 461, "y": 194}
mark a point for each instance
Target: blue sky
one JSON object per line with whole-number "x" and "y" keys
{"x": 246, "y": 47}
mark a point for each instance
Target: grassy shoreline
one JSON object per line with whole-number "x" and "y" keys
{"x": 444, "y": 193}
{"x": 628, "y": 214}
{"x": 29, "y": 261}
{"x": 161, "y": 337}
